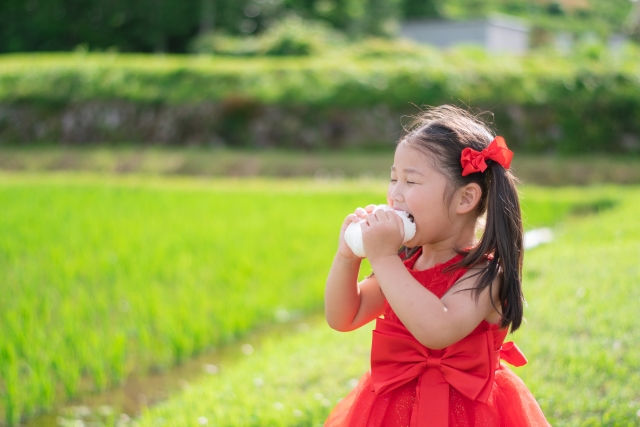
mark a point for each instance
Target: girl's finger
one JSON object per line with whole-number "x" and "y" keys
{"x": 370, "y": 208}
{"x": 348, "y": 220}
{"x": 382, "y": 214}
{"x": 371, "y": 218}
{"x": 361, "y": 212}
{"x": 351, "y": 218}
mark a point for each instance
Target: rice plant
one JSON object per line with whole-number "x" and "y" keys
{"x": 103, "y": 276}
{"x": 580, "y": 337}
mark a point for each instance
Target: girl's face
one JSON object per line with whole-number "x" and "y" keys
{"x": 417, "y": 187}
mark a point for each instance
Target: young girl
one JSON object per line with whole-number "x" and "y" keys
{"x": 448, "y": 301}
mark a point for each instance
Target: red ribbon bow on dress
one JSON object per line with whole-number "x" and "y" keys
{"x": 473, "y": 161}
{"x": 468, "y": 365}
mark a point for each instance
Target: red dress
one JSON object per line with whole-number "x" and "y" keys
{"x": 463, "y": 385}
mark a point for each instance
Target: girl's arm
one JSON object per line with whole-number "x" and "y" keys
{"x": 435, "y": 323}
{"x": 348, "y": 304}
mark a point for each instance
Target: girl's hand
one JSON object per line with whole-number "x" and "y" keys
{"x": 382, "y": 234}
{"x": 360, "y": 213}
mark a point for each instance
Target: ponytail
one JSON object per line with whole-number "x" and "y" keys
{"x": 503, "y": 240}
{"x": 445, "y": 132}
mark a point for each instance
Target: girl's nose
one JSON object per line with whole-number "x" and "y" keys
{"x": 395, "y": 195}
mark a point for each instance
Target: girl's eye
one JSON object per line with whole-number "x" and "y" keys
{"x": 410, "y": 182}
{"x": 393, "y": 180}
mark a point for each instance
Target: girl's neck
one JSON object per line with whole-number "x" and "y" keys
{"x": 440, "y": 252}
{"x": 431, "y": 256}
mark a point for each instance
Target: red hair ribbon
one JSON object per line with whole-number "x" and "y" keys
{"x": 473, "y": 161}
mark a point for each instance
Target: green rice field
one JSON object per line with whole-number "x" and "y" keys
{"x": 580, "y": 336}
{"x": 105, "y": 275}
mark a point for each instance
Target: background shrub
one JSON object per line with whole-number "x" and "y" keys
{"x": 290, "y": 36}
{"x": 543, "y": 103}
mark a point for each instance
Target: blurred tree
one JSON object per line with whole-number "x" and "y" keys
{"x": 419, "y": 9}
{"x": 169, "y": 25}
{"x": 143, "y": 25}
{"x": 555, "y": 8}
{"x": 355, "y": 17}
{"x": 382, "y": 17}
{"x": 207, "y": 16}
{"x": 632, "y": 24}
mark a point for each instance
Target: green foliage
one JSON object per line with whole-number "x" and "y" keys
{"x": 591, "y": 51}
{"x": 290, "y": 36}
{"x": 225, "y": 44}
{"x": 422, "y": 9}
{"x": 603, "y": 17}
{"x": 355, "y": 17}
{"x": 170, "y": 25}
{"x": 143, "y": 25}
{"x": 540, "y": 101}
{"x": 294, "y": 37}
{"x": 580, "y": 335}
{"x": 383, "y": 48}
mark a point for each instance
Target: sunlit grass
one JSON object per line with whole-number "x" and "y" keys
{"x": 582, "y": 331}
{"x": 292, "y": 381}
{"x": 103, "y": 278}
{"x": 580, "y": 337}
{"x": 104, "y": 275}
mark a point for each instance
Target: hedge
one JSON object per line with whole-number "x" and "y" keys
{"x": 541, "y": 102}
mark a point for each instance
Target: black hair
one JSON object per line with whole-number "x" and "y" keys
{"x": 444, "y": 132}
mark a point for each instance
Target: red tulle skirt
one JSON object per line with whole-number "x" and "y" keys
{"x": 510, "y": 404}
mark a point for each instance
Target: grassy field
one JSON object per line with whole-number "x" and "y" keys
{"x": 101, "y": 278}
{"x": 580, "y": 337}
{"x": 105, "y": 275}
{"x": 208, "y": 162}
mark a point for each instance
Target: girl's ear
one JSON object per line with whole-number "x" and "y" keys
{"x": 468, "y": 198}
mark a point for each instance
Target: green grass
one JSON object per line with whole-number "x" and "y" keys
{"x": 367, "y": 164}
{"x": 583, "y": 329}
{"x": 580, "y": 337}
{"x": 290, "y": 381}
{"x": 100, "y": 278}
{"x": 105, "y": 275}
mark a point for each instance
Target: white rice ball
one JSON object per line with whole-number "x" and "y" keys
{"x": 353, "y": 234}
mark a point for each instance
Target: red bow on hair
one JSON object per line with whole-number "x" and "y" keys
{"x": 473, "y": 161}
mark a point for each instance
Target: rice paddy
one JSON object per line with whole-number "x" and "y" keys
{"x": 104, "y": 276}
{"x": 580, "y": 337}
